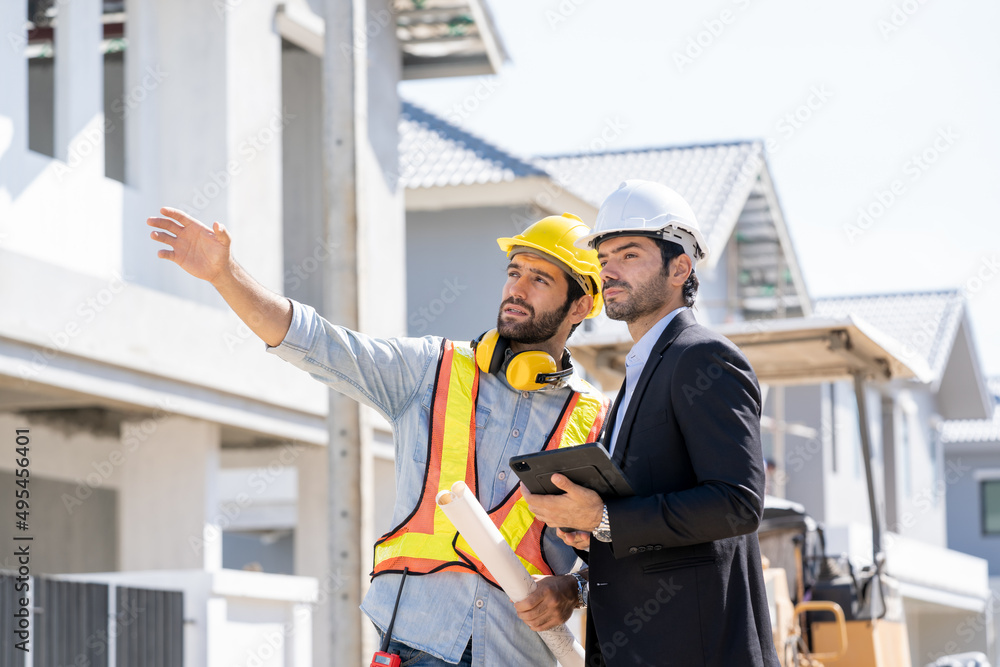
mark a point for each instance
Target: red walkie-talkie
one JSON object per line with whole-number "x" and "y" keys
{"x": 382, "y": 657}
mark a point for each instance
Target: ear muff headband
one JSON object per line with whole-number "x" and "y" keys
{"x": 526, "y": 371}
{"x": 489, "y": 351}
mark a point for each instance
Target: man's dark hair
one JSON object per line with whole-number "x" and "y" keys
{"x": 668, "y": 252}
{"x": 573, "y": 292}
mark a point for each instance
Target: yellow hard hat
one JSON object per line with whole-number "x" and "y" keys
{"x": 555, "y": 236}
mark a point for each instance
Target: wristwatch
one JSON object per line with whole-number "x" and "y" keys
{"x": 603, "y": 530}
{"x": 582, "y": 590}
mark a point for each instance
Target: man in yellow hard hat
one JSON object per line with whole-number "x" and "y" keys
{"x": 516, "y": 383}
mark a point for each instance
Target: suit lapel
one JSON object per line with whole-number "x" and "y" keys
{"x": 681, "y": 321}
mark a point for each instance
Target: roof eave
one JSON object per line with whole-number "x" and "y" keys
{"x": 538, "y": 190}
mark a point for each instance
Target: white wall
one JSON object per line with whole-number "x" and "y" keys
{"x": 456, "y": 270}
{"x": 921, "y": 476}
{"x": 964, "y": 503}
{"x": 74, "y": 490}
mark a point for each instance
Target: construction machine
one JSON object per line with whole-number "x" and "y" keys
{"x": 826, "y": 610}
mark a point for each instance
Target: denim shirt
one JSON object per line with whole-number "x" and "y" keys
{"x": 438, "y": 612}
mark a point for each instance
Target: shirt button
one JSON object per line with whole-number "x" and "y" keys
{"x": 525, "y": 394}
{"x": 479, "y": 604}
{"x": 515, "y": 433}
{"x": 502, "y": 475}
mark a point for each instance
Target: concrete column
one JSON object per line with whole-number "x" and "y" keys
{"x": 79, "y": 87}
{"x": 311, "y": 536}
{"x": 14, "y": 71}
{"x": 169, "y": 514}
{"x": 255, "y": 120}
{"x": 141, "y": 155}
{"x": 382, "y": 243}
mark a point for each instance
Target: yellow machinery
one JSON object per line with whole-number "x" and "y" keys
{"x": 826, "y": 611}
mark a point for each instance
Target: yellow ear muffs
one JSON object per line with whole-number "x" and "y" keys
{"x": 489, "y": 351}
{"x": 524, "y": 369}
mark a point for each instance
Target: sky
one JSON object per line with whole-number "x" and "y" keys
{"x": 880, "y": 120}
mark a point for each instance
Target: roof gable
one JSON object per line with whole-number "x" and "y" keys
{"x": 715, "y": 179}
{"x": 727, "y": 185}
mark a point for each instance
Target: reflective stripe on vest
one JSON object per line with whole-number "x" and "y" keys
{"x": 426, "y": 541}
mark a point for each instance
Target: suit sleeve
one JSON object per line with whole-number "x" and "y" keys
{"x": 715, "y": 398}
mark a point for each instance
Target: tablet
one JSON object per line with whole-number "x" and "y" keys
{"x": 588, "y": 465}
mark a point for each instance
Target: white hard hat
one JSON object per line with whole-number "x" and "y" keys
{"x": 645, "y": 208}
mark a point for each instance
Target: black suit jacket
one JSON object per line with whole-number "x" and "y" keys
{"x": 681, "y": 582}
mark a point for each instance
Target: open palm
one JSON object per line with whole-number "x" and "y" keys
{"x": 199, "y": 250}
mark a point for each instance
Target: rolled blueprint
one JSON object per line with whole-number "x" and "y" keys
{"x": 479, "y": 531}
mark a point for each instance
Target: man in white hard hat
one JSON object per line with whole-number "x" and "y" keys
{"x": 457, "y": 413}
{"x": 675, "y": 571}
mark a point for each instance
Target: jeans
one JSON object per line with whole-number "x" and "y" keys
{"x": 411, "y": 657}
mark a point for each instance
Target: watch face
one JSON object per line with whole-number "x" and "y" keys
{"x": 602, "y": 534}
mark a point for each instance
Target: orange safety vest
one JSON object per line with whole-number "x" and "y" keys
{"x": 426, "y": 541}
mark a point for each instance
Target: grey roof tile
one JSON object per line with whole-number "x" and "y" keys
{"x": 433, "y": 153}
{"x": 714, "y": 178}
{"x": 925, "y": 323}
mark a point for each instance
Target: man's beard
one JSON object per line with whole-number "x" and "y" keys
{"x": 534, "y": 329}
{"x": 649, "y": 298}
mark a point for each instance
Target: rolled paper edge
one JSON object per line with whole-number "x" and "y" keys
{"x": 559, "y": 639}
